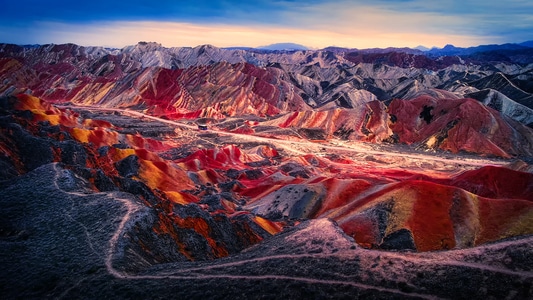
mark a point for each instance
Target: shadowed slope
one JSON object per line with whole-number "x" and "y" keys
{"x": 57, "y": 246}
{"x": 111, "y": 161}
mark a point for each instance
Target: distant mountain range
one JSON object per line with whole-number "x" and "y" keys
{"x": 284, "y": 46}
{"x": 216, "y": 83}
{"x": 452, "y": 50}
{"x": 273, "y": 47}
{"x": 446, "y": 50}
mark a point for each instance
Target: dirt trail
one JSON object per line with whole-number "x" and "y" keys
{"x": 202, "y": 272}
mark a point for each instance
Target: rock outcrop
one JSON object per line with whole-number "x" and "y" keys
{"x": 458, "y": 125}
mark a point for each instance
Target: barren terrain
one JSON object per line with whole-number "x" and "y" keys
{"x": 207, "y": 173}
{"x": 390, "y": 156}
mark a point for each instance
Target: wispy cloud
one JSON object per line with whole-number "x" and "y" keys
{"x": 119, "y": 34}
{"x": 415, "y": 17}
{"x": 315, "y": 23}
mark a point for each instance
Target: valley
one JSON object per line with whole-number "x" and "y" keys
{"x": 389, "y": 155}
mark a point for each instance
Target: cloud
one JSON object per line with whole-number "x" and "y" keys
{"x": 475, "y": 22}
{"x": 120, "y": 34}
{"x": 314, "y": 23}
{"x": 204, "y": 11}
{"x": 501, "y": 21}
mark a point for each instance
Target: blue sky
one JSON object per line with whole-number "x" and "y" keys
{"x": 224, "y": 23}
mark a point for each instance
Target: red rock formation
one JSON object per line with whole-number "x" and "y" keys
{"x": 458, "y": 125}
{"x": 400, "y": 209}
{"x": 495, "y": 182}
{"x": 90, "y": 146}
{"x": 389, "y": 208}
{"x": 366, "y": 123}
{"x": 216, "y": 90}
{"x": 432, "y": 217}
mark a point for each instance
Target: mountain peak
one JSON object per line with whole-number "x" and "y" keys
{"x": 527, "y": 44}
{"x": 421, "y": 48}
{"x": 284, "y": 47}
{"x": 148, "y": 44}
{"x": 449, "y": 47}
{"x": 145, "y": 46}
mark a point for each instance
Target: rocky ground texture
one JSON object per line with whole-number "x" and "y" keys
{"x": 98, "y": 210}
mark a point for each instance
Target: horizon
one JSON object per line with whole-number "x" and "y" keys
{"x": 316, "y": 24}
{"x": 266, "y": 47}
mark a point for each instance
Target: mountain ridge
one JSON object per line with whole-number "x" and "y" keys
{"x": 284, "y": 47}
{"x": 445, "y": 50}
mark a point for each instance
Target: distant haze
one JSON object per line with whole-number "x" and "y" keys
{"x": 284, "y": 46}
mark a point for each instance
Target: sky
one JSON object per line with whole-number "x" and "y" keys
{"x": 253, "y": 23}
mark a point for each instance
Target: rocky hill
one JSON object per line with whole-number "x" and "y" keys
{"x": 227, "y": 173}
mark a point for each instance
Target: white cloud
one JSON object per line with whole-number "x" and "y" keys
{"x": 384, "y": 20}
{"x": 357, "y": 24}
{"x": 348, "y": 23}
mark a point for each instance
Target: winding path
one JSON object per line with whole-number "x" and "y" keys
{"x": 189, "y": 273}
